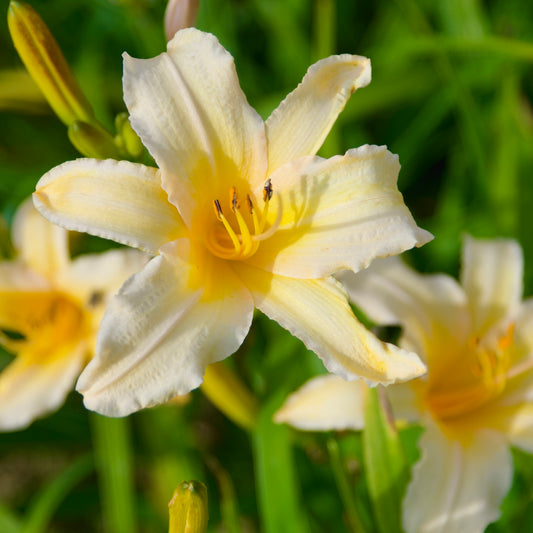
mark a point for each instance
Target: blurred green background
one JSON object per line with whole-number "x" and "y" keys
{"x": 451, "y": 94}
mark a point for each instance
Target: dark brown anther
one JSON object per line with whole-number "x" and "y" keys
{"x": 267, "y": 190}
{"x": 218, "y": 209}
{"x": 250, "y": 204}
{"x": 234, "y": 199}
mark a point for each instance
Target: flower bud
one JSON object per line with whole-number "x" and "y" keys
{"x": 92, "y": 141}
{"x": 46, "y": 64}
{"x": 180, "y": 14}
{"x": 187, "y": 509}
{"x": 230, "y": 395}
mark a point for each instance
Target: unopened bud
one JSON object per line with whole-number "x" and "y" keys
{"x": 46, "y": 64}
{"x": 92, "y": 141}
{"x": 126, "y": 139}
{"x": 188, "y": 512}
{"x": 229, "y": 394}
{"x": 180, "y": 14}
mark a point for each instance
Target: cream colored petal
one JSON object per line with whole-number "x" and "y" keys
{"x": 115, "y": 200}
{"x": 161, "y": 331}
{"x": 404, "y": 402}
{"x": 339, "y": 213}
{"x": 302, "y": 121}
{"x": 191, "y": 114}
{"x": 41, "y": 245}
{"x": 325, "y": 403}
{"x": 17, "y": 276}
{"x": 94, "y": 278}
{"x": 29, "y": 391}
{"x": 317, "y": 312}
{"x": 432, "y": 309}
{"x": 492, "y": 278}
{"x": 455, "y": 488}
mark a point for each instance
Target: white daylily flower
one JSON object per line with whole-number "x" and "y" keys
{"x": 50, "y": 309}
{"x": 240, "y": 213}
{"x": 477, "y": 398}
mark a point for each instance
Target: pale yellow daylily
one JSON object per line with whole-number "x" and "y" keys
{"x": 50, "y": 309}
{"x": 240, "y": 213}
{"x": 477, "y": 398}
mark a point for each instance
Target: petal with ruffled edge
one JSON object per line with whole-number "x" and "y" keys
{"x": 93, "y": 278}
{"x": 190, "y": 112}
{"x": 492, "y": 278}
{"x": 302, "y": 121}
{"x": 317, "y": 312}
{"x": 457, "y": 487}
{"x": 338, "y": 213}
{"x": 161, "y": 331}
{"x": 116, "y": 200}
{"x": 325, "y": 403}
{"x": 432, "y": 309}
{"x": 29, "y": 390}
{"x": 41, "y": 245}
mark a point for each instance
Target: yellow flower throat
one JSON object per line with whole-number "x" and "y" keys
{"x": 239, "y": 238}
{"x": 487, "y": 376}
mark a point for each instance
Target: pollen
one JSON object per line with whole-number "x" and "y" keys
{"x": 236, "y": 234}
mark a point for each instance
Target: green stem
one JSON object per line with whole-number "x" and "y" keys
{"x": 339, "y": 472}
{"x": 114, "y": 462}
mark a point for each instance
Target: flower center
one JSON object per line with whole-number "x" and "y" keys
{"x": 486, "y": 379}
{"x": 237, "y": 236}
{"x": 50, "y": 324}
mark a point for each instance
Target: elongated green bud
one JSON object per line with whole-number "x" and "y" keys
{"x": 92, "y": 141}
{"x": 187, "y": 509}
{"x": 127, "y": 140}
{"x": 46, "y": 64}
{"x": 230, "y": 395}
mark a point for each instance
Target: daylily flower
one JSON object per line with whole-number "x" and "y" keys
{"x": 50, "y": 309}
{"x": 476, "y": 338}
{"x": 240, "y": 213}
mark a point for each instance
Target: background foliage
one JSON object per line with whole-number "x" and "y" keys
{"x": 451, "y": 94}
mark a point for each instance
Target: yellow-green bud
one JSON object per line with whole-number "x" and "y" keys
{"x": 46, "y": 64}
{"x": 187, "y": 509}
{"x": 229, "y": 394}
{"x": 127, "y": 140}
{"x": 92, "y": 141}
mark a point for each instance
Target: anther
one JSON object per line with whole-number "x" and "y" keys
{"x": 267, "y": 190}
{"x": 218, "y": 210}
{"x": 234, "y": 200}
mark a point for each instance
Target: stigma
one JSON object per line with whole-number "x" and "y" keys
{"x": 236, "y": 235}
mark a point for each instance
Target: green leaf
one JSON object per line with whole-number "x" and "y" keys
{"x": 384, "y": 461}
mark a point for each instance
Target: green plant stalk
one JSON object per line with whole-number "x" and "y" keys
{"x": 47, "y": 501}
{"x": 277, "y": 492}
{"x": 384, "y": 463}
{"x": 347, "y": 496}
{"x": 114, "y": 464}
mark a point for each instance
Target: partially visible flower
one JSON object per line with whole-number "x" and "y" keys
{"x": 180, "y": 14}
{"x": 50, "y": 309}
{"x": 477, "y": 398}
{"x": 240, "y": 214}
{"x": 188, "y": 510}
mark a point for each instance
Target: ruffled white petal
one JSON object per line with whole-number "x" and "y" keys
{"x": 325, "y": 403}
{"x": 42, "y": 246}
{"x": 432, "y": 309}
{"x": 191, "y": 114}
{"x": 339, "y": 213}
{"x": 116, "y": 200}
{"x": 492, "y": 278}
{"x": 302, "y": 121}
{"x": 317, "y": 312}
{"x": 161, "y": 331}
{"x": 456, "y": 487}
{"x": 29, "y": 390}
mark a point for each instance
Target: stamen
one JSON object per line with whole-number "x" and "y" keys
{"x": 229, "y": 229}
{"x": 274, "y": 227}
{"x": 254, "y": 215}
